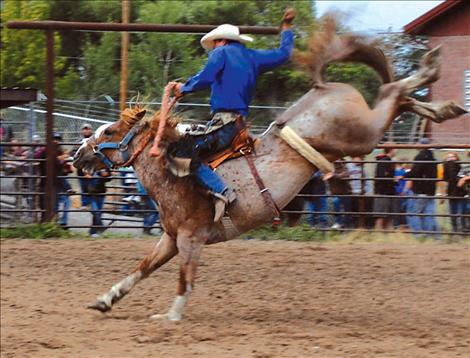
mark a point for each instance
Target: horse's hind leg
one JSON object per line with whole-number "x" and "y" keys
{"x": 189, "y": 251}
{"x": 162, "y": 253}
{"x": 436, "y": 111}
{"x": 429, "y": 72}
{"x": 393, "y": 97}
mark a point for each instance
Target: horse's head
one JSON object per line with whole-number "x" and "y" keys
{"x": 109, "y": 146}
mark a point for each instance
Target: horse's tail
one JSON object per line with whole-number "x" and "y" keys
{"x": 326, "y": 46}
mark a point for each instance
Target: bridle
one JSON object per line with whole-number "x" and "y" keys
{"x": 123, "y": 147}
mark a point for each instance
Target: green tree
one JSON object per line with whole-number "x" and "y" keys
{"x": 24, "y": 51}
{"x": 360, "y": 76}
{"x": 100, "y": 72}
{"x": 157, "y": 58}
{"x": 286, "y": 83}
{"x": 73, "y": 42}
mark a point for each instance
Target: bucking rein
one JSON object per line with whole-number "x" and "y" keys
{"x": 287, "y": 134}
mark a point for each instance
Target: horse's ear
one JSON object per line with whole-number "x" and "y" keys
{"x": 131, "y": 116}
{"x": 139, "y": 115}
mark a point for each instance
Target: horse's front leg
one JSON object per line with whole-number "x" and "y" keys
{"x": 162, "y": 253}
{"x": 189, "y": 251}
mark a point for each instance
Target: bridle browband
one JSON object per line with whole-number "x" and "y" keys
{"x": 123, "y": 147}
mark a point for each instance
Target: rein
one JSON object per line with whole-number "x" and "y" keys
{"x": 123, "y": 145}
{"x": 167, "y": 105}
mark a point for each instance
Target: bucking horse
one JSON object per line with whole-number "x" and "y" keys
{"x": 332, "y": 120}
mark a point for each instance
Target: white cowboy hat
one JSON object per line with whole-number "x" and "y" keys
{"x": 223, "y": 32}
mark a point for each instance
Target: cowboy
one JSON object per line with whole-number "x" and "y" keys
{"x": 231, "y": 73}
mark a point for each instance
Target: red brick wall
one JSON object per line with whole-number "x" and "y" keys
{"x": 455, "y": 54}
{"x": 455, "y": 21}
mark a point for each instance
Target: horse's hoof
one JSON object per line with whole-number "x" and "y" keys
{"x": 166, "y": 316}
{"x": 99, "y": 306}
{"x": 159, "y": 316}
{"x": 174, "y": 318}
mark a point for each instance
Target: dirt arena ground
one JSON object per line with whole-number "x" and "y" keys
{"x": 252, "y": 299}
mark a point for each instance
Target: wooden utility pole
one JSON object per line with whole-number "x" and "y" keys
{"x": 124, "y": 55}
{"x": 49, "y": 198}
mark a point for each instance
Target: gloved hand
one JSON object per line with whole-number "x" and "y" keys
{"x": 177, "y": 89}
{"x": 287, "y": 18}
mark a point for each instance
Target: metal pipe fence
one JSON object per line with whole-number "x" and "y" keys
{"x": 51, "y": 114}
{"x": 123, "y": 208}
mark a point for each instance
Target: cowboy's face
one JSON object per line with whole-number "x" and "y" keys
{"x": 219, "y": 43}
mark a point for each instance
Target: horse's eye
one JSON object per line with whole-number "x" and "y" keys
{"x": 108, "y": 133}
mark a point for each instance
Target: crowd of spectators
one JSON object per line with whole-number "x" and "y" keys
{"x": 400, "y": 195}
{"x": 92, "y": 186}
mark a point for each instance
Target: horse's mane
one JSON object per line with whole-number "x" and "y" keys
{"x": 170, "y": 134}
{"x": 325, "y": 46}
{"x": 143, "y": 117}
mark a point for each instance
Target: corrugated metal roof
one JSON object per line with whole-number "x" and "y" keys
{"x": 12, "y": 96}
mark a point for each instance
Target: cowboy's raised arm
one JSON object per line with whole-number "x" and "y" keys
{"x": 269, "y": 59}
{"x": 206, "y": 77}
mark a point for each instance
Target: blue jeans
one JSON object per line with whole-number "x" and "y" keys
{"x": 64, "y": 200}
{"x": 149, "y": 218}
{"x": 85, "y": 199}
{"x": 96, "y": 202}
{"x": 422, "y": 205}
{"x": 342, "y": 204}
{"x": 399, "y": 207}
{"x": 466, "y": 220}
{"x": 457, "y": 207}
{"x": 65, "y": 184}
{"x": 318, "y": 206}
{"x": 205, "y": 145}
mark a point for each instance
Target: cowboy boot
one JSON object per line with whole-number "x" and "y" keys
{"x": 222, "y": 202}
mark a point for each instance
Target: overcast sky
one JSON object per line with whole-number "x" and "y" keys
{"x": 377, "y": 15}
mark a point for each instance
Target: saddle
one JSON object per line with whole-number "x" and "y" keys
{"x": 241, "y": 144}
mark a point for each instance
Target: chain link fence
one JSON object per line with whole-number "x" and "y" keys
{"x": 125, "y": 207}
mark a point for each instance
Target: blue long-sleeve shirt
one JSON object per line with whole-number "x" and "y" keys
{"x": 231, "y": 73}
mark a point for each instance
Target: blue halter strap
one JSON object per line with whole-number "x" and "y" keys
{"x": 122, "y": 146}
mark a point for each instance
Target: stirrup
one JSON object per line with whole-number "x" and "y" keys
{"x": 222, "y": 201}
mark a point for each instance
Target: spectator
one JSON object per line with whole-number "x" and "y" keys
{"x": 360, "y": 203}
{"x": 317, "y": 205}
{"x": 456, "y": 201}
{"x": 385, "y": 185}
{"x": 17, "y": 151}
{"x": 400, "y": 190}
{"x": 464, "y": 182}
{"x": 12, "y": 156}
{"x": 97, "y": 189}
{"x": 424, "y": 187}
{"x": 339, "y": 185}
{"x": 60, "y": 185}
{"x": 63, "y": 188}
{"x": 31, "y": 150}
{"x": 6, "y": 135}
{"x": 129, "y": 181}
{"x": 150, "y": 218}
{"x": 87, "y": 132}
